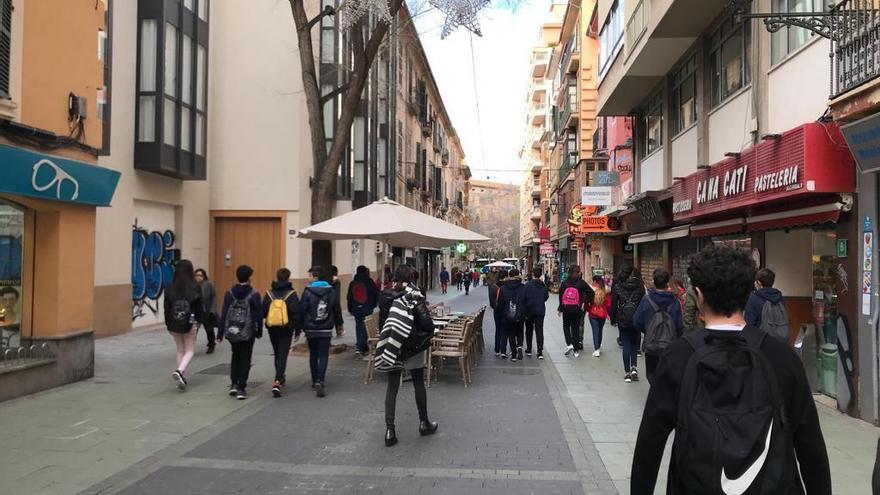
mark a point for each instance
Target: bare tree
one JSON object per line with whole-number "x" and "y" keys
{"x": 365, "y": 42}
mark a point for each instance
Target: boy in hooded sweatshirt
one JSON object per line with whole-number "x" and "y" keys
{"x": 361, "y": 300}
{"x": 282, "y": 336}
{"x": 240, "y": 366}
{"x": 511, "y": 297}
{"x": 534, "y": 303}
{"x": 500, "y": 336}
{"x": 764, "y": 292}
{"x": 321, "y": 313}
{"x": 665, "y": 300}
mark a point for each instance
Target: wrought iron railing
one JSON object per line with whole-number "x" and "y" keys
{"x": 854, "y": 27}
{"x": 15, "y": 356}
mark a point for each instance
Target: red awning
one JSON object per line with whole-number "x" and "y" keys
{"x": 723, "y": 227}
{"x": 813, "y": 215}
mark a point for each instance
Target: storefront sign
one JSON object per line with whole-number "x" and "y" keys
{"x": 596, "y": 196}
{"x": 806, "y": 160}
{"x": 547, "y": 249}
{"x": 28, "y": 173}
{"x": 863, "y": 138}
{"x": 604, "y": 178}
{"x": 841, "y": 248}
{"x": 544, "y": 235}
{"x": 582, "y": 220}
{"x": 868, "y": 260}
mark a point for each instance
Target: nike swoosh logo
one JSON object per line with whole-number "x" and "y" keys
{"x": 740, "y": 485}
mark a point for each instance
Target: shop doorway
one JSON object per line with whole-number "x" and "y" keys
{"x": 257, "y": 242}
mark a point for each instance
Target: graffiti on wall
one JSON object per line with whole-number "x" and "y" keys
{"x": 152, "y": 267}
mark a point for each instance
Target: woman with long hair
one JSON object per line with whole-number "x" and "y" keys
{"x": 574, "y": 294}
{"x": 597, "y": 309}
{"x": 209, "y": 305}
{"x": 405, "y": 287}
{"x": 183, "y": 313}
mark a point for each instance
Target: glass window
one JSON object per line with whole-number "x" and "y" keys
{"x": 170, "y": 127}
{"x": 653, "y": 124}
{"x": 789, "y": 39}
{"x": 187, "y": 66}
{"x": 610, "y": 36}
{"x": 188, "y": 4}
{"x": 170, "y": 60}
{"x": 684, "y": 95}
{"x": 729, "y": 60}
{"x": 201, "y": 78}
{"x": 11, "y": 262}
{"x": 149, "y": 40}
{"x": 203, "y": 10}
{"x": 147, "y": 119}
{"x": 826, "y": 288}
{"x": 200, "y": 135}
{"x": 185, "y": 129}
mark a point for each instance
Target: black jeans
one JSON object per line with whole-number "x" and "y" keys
{"x": 319, "y": 354}
{"x": 573, "y": 329}
{"x": 281, "y": 339}
{"x": 500, "y": 335}
{"x": 514, "y": 330}
{"x": 535, "y": 324}
{"x": 210, "y": 324}
{"x": 418, "y": 381}
{"x": 240, "y": 367}
{"x": 651, "y": 363}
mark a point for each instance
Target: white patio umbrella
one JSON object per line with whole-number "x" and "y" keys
{"x": 392, "y": 223}
{"x": 500, "y": 264}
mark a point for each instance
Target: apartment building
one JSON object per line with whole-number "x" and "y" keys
{"x": 493, "y": 211}
{"x": 732, "y": 145}
{"x": 52, "y": 129}
{"x": 534, "y": 155}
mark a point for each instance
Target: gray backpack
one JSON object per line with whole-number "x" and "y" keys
{"x": 774, "y": 321}
{"x": 239, "y": 324}
{"x": 660, "y": 331}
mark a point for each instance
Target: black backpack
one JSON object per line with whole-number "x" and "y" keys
{"x": 514, "y": 310}
{"x": 660, "y": 331}
{"x": 732, "y": 434}
{"x": 180, "y": 319}
{"x": 322, "y": 310}
{"x": 239, "y": 325}
{"x": 626, "y": 308}
{"x": 774, "y": 321}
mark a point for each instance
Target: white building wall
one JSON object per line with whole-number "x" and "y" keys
{"x": 798, "y": 89}
{"x": 793, "y": 273}
{"x": 730, "y": 125}
{"x": 651, "y": 172}
{"x": 684, "y": 153}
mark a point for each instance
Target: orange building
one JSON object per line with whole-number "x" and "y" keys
{"x": 52, "y": 81}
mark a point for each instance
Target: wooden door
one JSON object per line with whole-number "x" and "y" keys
{"x": 256, "y": 242}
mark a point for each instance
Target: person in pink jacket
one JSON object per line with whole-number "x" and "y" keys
{"x": 597, "y": 309}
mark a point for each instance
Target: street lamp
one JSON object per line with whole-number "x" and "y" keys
{"x": 553, "y": 206}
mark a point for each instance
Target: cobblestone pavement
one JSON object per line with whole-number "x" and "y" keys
{"x": 563, "y": 425}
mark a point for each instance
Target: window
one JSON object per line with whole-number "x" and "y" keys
{"x": 610, "y": 36}
{"x": 11, "y": 285}
{"x": 653, "y": 122}
{"x": 729, "y": 60}
{"x": 5, "y": 46}
{"x": 103, "y": 96}
{"x": 172, "y": 88}
{"x": 684, "y": 95}
{"x": 786, "y": 41}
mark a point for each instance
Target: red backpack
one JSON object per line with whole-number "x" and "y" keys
{"x": 359, "y": 292}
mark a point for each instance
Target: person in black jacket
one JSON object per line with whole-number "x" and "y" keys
{"x": 722, "y": 277}
{"x": 361, "y": 300}
{"x": 764, "y": 292}
{"x": 185, "y": 296}
{"x": 209, "y": 303}
{"x": 337, "y": 286}
{"x": 626, "y": 295}
{"x": 282, "y": 336}
{"x": 404, "y": 278}
{"x": 500, "y": 336}
{"x": 321, "y": 313}
{"x": 240, "y": 366}
{"x": 534, "y": 305}
{"x": 510, "y": 297}
{"x": 573, "y": 310}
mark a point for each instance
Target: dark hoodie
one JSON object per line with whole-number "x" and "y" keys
{"x": 279, "y": 291}
{"x": 664, "y": 300}
{"x": 755, "y": 306}
{"x": 241, "y": 291}
{"x": 630, "y": 289}
{"x": 367, "y": 308}
{"x": 309, "y": 304}
{"x": 493, "y": 292}
{"x": 512, "y": 291}
{"x": 534, "y": 298}
{"x": 586, "y": 292}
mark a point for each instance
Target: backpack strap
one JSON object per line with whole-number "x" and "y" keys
{"x": 754, "y": 337}
{"x": 269, "y": 295}
{"x": 654, "y": 305}
{"x": 285, "y": 298}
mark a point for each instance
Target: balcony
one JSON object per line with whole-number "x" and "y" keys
{"x": 571, "y": 60}
{"x": 539, "y": 64}
{"x": 856, "y": 54}
{"x": 536, "y": 169}
{"x": 538, "y": 111}
{"x": 536, "y": 188}
{"x": 535, "y": 216}
{"x": 657, "y": 35}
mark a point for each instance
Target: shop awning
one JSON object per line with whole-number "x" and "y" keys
{"x": 640, "y": 238}
{"x": 813, "y": 215}
{"x": 674, "y": 233}
{"x": 717, "y": 228}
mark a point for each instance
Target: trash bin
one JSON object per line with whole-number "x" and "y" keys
{"x": 828, "y": 370}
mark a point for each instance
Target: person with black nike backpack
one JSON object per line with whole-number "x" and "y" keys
{"x": 241, "y": 323}
{"x": 742, "y": 425}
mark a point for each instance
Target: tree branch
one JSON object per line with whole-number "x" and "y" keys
{"x": 336, "y": 92}
{"x": 328, "y": 11}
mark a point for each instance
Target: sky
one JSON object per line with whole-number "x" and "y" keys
{"x": 501, "y": 58}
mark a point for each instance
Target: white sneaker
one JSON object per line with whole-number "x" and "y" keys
{"x": 577, "y": 354}
{"x": 597, "y": 353}
{"x": 569, "y": 350}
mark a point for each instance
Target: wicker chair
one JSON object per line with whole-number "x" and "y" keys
{"x": 372, "y": 324}
{"x": 454, "y": 341}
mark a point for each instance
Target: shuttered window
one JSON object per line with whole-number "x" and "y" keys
{"x": 5, "y": 45}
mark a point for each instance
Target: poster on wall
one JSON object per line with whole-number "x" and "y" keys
{"x": 867, "y": 267}
{"x": 11, "y": 254}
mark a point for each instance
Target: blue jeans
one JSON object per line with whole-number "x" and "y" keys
{"x": 597, "y": 325}
{"x": 500, "y": 336}
{"x": 629, "y": 337}
{"x": 319, "y": 354}
{"x": 360, "y": 330}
